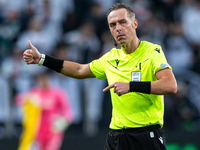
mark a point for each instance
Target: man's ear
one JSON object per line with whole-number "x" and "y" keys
{"x": 135, "y": 24}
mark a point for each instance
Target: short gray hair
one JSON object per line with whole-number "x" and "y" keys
{"x": 120, "y": 6}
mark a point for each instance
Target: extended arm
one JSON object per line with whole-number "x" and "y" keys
{"x": 76, "y": 70}
{"x": 71, "y": 69}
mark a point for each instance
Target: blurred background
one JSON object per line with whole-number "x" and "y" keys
{"x": 77, "y": 30}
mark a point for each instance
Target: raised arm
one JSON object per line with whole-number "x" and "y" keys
{"x": 68, "y": 68}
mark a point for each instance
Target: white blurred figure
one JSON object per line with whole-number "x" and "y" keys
{"x": 18, "y": 5}
{"x": 93, "y": 105}
{"x": 53, "y": 14}
{"x": 56, "y": 10}
{"x": 9, "y": 30}
{"x": 38, "y": 35}
{"x": 94, "y": 100}
{"x": 154, "y": 32}
{"x": 106, "y": 4}
{"x": 142, "y": 11}
{"x": 98, "y": 17}
{"x": 107, "y": 41}
{"x": 179, "y": 51}
{"x": 191, "y": 20}
{"x": 182, "y": 7}
{"x": 14, "y": 69}
{"x": 84, "y": 42}
{"x": 71, "y": 85}
{"x": 20, "y": 76}
{"x": 86, "y": 45}
{"x": 4, "y": 106}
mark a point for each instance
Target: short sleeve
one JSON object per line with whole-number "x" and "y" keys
{"x": 98, "y": 67}
{"x": 158, "y": 59}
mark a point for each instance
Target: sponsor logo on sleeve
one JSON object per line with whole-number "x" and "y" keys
{"x": 164, "y": 65}
{"x": 157, "y": 49}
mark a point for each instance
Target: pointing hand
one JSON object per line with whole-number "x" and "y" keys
{"x": 120, "y": 88}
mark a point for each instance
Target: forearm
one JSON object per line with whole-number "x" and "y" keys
{"x": 76, "y": 70}
{"x": 166, "y": 83}
{"x": 68, "y": 68}
{"x": 159, "y": 87}
{"x": 163, "y": 87}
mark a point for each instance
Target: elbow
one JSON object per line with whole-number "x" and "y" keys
{"x": 173, "y": 89}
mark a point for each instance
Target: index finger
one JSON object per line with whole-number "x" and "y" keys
{"x": 109, "y": 87}
{"x": 27, "y": 53}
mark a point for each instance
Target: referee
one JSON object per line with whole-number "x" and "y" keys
{"x": 138, "y": 76}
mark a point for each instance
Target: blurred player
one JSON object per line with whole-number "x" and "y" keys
{"x": 46, "y": 115}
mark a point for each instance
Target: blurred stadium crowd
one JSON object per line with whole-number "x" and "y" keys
{"x": 77, "y": 30}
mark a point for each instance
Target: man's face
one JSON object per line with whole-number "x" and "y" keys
{"x": 121, "y": 26}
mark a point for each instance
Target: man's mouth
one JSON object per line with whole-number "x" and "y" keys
{"x": 120, "y": 36}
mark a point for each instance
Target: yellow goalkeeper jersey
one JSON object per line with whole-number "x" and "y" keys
{"x": 133, "y": 109}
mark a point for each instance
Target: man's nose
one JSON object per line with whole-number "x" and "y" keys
{"x": 118, "y": 27}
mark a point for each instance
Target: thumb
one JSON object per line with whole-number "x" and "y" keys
{"x": 31, "y": 46}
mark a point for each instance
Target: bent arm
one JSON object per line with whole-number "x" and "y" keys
{"x": 76, "y": 70}
{"x": 166, "y": 83}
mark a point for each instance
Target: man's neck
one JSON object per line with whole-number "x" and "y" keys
{"x": 131, "y": 47}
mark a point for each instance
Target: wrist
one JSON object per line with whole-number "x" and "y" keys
{"x": 42, "y": 58}
{"x": 142, "y": 87}
{"x": 53, "y": 63}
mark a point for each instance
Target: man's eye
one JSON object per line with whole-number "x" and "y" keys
{"x": 123, "y": 22}
{"x": 112, "y": 25}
